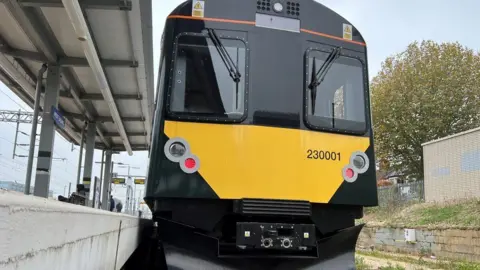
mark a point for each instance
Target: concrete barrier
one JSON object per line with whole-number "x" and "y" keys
{"x": 37, "y": 233}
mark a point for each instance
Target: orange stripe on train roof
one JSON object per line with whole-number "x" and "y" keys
{"x": 210, "y": 19}
{"x": 333, "y": 37}
{"x": 253, "y": 23}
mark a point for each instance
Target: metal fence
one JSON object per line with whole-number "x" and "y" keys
{"x": 401, "y": 193}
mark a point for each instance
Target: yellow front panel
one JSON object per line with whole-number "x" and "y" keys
{"x": 242, "y": 161}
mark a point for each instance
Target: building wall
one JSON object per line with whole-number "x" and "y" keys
{"x": 452, "y": 167}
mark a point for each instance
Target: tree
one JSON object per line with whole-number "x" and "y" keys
{"x": 427, "y": 92}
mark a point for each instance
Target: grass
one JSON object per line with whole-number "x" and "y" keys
{"x": 436, "y": 215}
{"x": 390, "y": 267}
{"x": 361, "y": 265}
{"x": 433, "y": 264}
{"x": 464, "y": 214}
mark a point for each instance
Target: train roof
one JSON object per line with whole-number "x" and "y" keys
{"x": 308, "y": 16}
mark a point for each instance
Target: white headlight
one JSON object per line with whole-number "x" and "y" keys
{"x": 359, "y": 162}
{"x": 278, "y": 7}
{"x": 177, "y": 149}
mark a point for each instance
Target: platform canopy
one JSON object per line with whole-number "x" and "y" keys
{"x": 104, "y": 49}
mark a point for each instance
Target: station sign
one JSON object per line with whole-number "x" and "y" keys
{"x": 118, "y": 181}
{"x": 139, "y": 181}
{"x": 58, "y": 118}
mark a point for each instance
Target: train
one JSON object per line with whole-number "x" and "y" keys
{"x": 262, "y": 151}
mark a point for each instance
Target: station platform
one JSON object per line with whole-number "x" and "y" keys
{"x": 38, "y": 233}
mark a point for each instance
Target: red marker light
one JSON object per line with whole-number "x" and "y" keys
{"x": 190, "y": 163}
{"x": 349, "y": 173}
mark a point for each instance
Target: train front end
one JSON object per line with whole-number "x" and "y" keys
{"x": 262, "y": 139}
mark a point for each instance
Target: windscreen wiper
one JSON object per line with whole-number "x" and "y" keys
{"x": 318, "y": 78}
{"x": 227, "y": 60}
{"x": 313, "y": 90}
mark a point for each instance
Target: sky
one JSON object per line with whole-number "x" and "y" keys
{"x": 388, "y": 26}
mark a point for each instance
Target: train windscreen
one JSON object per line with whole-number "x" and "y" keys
{"x": 336, "y": 92}
{"x": 203, "y": 84}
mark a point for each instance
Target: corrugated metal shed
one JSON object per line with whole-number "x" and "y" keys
{"x": 452, "y": 167}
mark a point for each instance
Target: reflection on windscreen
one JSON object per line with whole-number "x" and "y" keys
{"x": 202, "y": 84}
{"x": 340, "y": 101}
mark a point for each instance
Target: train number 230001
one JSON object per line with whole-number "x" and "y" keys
{"x": 326, "y": 155}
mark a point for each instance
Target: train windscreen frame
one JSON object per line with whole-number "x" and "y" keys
{"x": 201, "y": 87}
{"x": 340, "y": 92}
